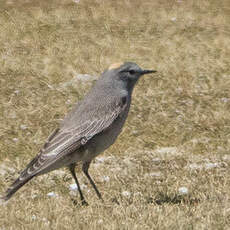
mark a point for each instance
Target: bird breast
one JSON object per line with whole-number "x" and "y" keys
{"x": 105, "y": 139}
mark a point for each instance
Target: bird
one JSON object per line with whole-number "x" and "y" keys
{"x": 91, "y": 127}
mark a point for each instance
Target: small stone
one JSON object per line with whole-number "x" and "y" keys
{"x": 156, "y": 160}
{"x": 183, "y": 190}
{"x": 155, "y": 174}
{"x": 68, "y": 102}
{"x": 100, "y": 159}
{"x": 225, "y": 99}
{"x": 46, "y": 222}
{"x": 23, "y": 127}
{"x": 73, "y": 187}
{"x": 194, "y": 166}
{"x": 211, "y": 165}
{"x": 34, "y": 196}
{"x": 126, "y": 193}
{"x": 52, "y": 194}
{"x": 105, "y": 178}
{"x": 100, "y": 221}
{"x": 17, "y": 92}
{"x": 167, "y": 150}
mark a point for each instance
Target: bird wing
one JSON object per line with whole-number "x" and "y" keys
{"x": 65, "y": 141}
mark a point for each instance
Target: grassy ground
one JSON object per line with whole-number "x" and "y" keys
{"x": 178, "y": 131}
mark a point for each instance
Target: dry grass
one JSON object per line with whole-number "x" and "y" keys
{"x": 177, "y": 134}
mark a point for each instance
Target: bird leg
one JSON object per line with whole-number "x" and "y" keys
{"x": 72, "y": 170}
{"x": 85, "y": 169}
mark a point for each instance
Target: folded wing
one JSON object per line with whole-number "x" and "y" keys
{"x": 65, "y": 141}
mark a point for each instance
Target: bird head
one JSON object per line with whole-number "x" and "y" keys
{"x": 128, "y": 72}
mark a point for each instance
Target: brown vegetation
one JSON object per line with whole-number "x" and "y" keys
{"x": 177, "y": 134}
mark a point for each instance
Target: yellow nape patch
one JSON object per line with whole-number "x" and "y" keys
{"x": 116, "y": 65}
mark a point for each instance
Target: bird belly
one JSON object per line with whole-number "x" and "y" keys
{"x": 103, "y": 140}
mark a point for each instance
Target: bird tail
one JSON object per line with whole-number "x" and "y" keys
{"x": 14, "y": 187}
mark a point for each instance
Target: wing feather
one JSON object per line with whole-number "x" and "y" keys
{"x": 64, "y": 141}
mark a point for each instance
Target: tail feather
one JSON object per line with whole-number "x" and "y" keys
{"x": 15, "y": 186}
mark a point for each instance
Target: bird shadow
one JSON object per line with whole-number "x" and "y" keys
{"x": 174, "y": 199}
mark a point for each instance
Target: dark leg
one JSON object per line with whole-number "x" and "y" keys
{"x": 72, "y": 170}
{"x": 85, "y": 169}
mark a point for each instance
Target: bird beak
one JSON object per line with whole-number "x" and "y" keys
{"x": 147, "y": 71}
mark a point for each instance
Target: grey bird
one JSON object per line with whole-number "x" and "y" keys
{"x": 91, "y": 127}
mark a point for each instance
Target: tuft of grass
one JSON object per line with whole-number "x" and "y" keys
{"x": 177, "y": 133}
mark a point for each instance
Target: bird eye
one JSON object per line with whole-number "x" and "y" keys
{"x": 131, "y": 71}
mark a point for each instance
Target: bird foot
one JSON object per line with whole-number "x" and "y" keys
{"x": 82, "y": 202}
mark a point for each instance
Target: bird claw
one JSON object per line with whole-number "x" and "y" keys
{"x": 82, "y": 203}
